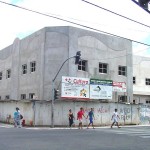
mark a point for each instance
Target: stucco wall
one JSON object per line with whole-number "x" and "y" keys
{"x": 141, "y": 72}
{"x": 41, "y": 112}
{"x": 50, "y": 47}
{"x": 63, "y": 42}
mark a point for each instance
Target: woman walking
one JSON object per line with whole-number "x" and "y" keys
{"x": 70, "y": 117}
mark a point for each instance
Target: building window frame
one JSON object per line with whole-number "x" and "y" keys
{"x": 134, "y": 101}
{"x": 134, "y": 80}
{"x": 24, "y": 69}
{"x": 7, "y": 97}
{"x": 31, "y": 95}
{"x": 32, "y": 66}
{"x": 122, "y": 70}
{"x": 147, "y": 101}
{"x": 8, "y": 73}
{"x": 82, "y": 66}
{"x": 23, "y": 96}
{"x": 1, "y": 75}
{"x": 122, "y": 98}
{"x": 147, "y": 81}
{"x": 103, "y": 68}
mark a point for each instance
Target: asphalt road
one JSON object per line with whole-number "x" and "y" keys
{"x": 125, "y": 138}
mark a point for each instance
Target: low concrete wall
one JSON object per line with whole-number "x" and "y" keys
{"x": 129, "y": 114}
{"x": 38, "y": 113}
{"x": 144, "y": 114}
{"x": 7, "y": 109}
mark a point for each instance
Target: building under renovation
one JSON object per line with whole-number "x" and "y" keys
{"x": 28, "y": 66}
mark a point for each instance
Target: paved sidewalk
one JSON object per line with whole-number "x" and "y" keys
{"x": 28, "y": 127}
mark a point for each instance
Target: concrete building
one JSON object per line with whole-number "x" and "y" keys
{"x": 28, "y": 66}
{"x": 141, "y": 79}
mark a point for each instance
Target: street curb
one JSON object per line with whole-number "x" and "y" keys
{"x": 101, "y": 127}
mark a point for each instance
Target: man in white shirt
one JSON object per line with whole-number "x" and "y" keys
{"x": 115, "y": 118}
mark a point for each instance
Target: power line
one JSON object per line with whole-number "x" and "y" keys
{"x": 116, "y": 13}
{"x": 85, "y": 21}
{"x": 58, "y": 18}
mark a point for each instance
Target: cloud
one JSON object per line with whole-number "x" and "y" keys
{"x": 16, "y": 22}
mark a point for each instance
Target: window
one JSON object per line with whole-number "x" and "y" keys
{"x": 122, "y": 98}
{"x": 24, "y": 69}
{"x": 103, "y": 67}
{"x": 122, "y": 70}
{"x": 82, "y": 65}
{"x": 134, "y": 80}
{"x": 8, "y": 73}
{"x": 1, "y": 75}
{"x": 23, "y": 96}
{"x": 7, "y": 97}
{"x": 147, "y": 101}
{"x": 32, "y": 66}
{"x": 31, "y": 95}
{"x": 147, "y": 81}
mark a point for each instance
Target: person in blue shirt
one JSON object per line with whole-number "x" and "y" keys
{"x": 17, "y": 118}
{"x": 91, "y": 117}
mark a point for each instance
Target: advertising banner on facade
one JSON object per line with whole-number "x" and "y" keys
{"x": 75, "y": 87}
{"x": 100, "y": 89}
{"x": 119, "y": 86}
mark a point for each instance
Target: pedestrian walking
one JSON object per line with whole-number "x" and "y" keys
{"x": 80, "y": 116}
{"x": 91, "y": 118}
{"x": 71, "y": 118}
{"x": 17, "y": 118}
{"x": 115, "y": 118}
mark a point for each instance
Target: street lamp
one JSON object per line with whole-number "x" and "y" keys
{"x": 54, "y": 91}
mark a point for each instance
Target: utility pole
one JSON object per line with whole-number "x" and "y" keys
{"x": 77, "y": 59}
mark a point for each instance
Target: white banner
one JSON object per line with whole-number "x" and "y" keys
{"x": 75, "y": 87}
{"x": 100, "y": 89}
{"x": 119, "y": 86}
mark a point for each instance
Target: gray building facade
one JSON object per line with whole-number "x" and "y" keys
{"x": 28, "y": 66}
{"x": 141, "y": 79}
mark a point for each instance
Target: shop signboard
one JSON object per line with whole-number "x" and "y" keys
{"x": 119, "y": 86}
{"x": 75, "y": 87}
{"x": 100, "y": 89}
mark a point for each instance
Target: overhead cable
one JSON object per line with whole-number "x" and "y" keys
{"x": 65, "y": 20}
{"x": 116, "y": 13}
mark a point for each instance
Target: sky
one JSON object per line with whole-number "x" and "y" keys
{"x": 19, "y": 23}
